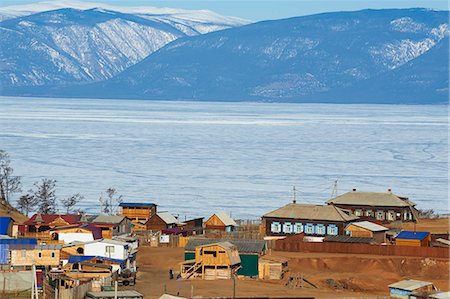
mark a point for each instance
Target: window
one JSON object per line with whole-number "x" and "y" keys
{"x": 391, "y": 215}
{"x": 109, "y": 251}
{"x": 309, "y": 228}
{"x": 332, "y": 230}
{"x": 53, "y": 254}
{"x": 358, "y": 212}
{"x": 320, "y": 229}
{"x": 298, "y": 228}
{"x": 287, "y": 228}
{"x": 380, "y": 215}
{"x": 369, "y": 213}
{"x": 275, "y": 227}
{"x": 24, "y": 253}
{"x": 39, "y": 254}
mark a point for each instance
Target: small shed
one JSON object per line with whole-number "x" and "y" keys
{"x": 249, "y": 252}
{"x": 221, "y": 221}
{"x": 404, "y": 288}
{"x": 162, "y": 220}
{"x": 367, "y": 229}
{"x": 272, "y": 267}
{"x": 212, "y": 261}
{"x": 409, "y": 238}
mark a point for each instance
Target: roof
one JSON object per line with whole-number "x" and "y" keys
{"x": 312, "y": 212}
{"x": 108, "y": 219}
{"x": 387, "y": 199}
{"x": 370, "y": 226}
{"x": 5, "y": 224}
{"x": 108, "y": 241}
{"x": 73, "y": 243}
{"x": 48, "y": 247}
{"x": 81, "y": 258}
{"x": 136, "y": 204}
{"x": 168, "y": 218}
{"x": 110, "y": 294}
{"x": 440, "y": 295}
{"x": 348, "y": 239}
{"x": 408, "y": 235}
{"x": 410, "y": 284}
{"x": 48, "y": 218}
{"x": 226, "y": 219}
{"x": 95, "y": 230}
{"x": 443, "y": 241}
{"x": 243, "y": 246}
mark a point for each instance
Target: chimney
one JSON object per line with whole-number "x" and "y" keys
{"x": 354, "y": 189}
{"x": 390, "y": 190}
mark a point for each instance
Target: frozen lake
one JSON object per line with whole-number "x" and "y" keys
{"x": 197, "y": 158}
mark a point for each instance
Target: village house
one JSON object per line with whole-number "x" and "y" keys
{"x": 43, "y": 256}
{"x": 39, "y": 225}
{"x": 409, "y": 238}
{"x": 163, "y": 220}
{"x": 367, "y": 229}
{"x": 112, "y": 225}
{"x": 212, "y": 261}
{"x": 194, "y": 226}
{"x": 312, "y": 220}
{"x": 381, "y": 206}
{"x": 79, "y": 232}
{"x": 107, "y": 248}
{"x": 404, "y": 288}
{"x": 138, "y": 211}
{"x": 221, "y": 221}
{"x": 250, "y": 252}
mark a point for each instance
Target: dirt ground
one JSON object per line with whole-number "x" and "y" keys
{"x": 335, "y": 275}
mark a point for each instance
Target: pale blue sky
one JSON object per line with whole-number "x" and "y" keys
{"x": 266, "y": 9}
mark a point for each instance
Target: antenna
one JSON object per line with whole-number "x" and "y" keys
{"x": 335, "y": 189}
{"x": 294, "y": 194}
{"x": 101, "y": 202}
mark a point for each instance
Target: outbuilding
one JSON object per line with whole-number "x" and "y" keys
{"x": 221, "y": 221}
{"x": 113, "y": 225}
{"x": 367, "y": 229}
{"x": 403, "y": 289}
{"x": 410, "y": 238}
{"x": 163, "y": 220}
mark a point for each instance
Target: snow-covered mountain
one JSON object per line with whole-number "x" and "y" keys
{"x": 86, "y": 43}
{"x": 376, "y": 56}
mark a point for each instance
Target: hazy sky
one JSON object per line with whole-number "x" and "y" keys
{"x": 265, "y": 9}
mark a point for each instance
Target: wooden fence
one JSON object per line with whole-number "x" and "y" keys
{"x": 335, "y": 247}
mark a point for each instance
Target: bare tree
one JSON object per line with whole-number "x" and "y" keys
{"x": 45, "y": 195}
{"x": 9, "y": 183}
{"x": 112, "y": 199}
{"x": 26, "y": 203}
{"x": 70, "y": 202}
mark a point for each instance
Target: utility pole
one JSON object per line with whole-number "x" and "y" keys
{"x": 335, "y": 189}
{"x": 294, "y": 193}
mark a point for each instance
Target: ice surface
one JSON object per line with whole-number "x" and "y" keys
{"x": 197, "y": 158}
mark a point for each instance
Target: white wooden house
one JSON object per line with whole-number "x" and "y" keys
{"x": 107, "y": 248}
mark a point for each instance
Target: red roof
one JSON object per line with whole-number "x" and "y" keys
{"x": 49, "y": 218}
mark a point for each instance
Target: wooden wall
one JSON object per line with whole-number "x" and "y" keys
{"x": 28, "y": 257}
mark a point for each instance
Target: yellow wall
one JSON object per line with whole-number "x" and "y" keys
{"x": 28, "y": 257}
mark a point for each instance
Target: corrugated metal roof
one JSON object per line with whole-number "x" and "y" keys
{"x": 348, "y": 239}
{"x": 48, "y": 247}
{"x": 109, "y": 219}
{"x": 370, "y": 226}
{"x": 312, "y": 212}
{"x": 410, "y": 284}
{"x": 168, "y": 218}
{"x": 371, "y": 199}
{"x": 243, "y": 246}
{"x": 48, "y": 218}
{"x": 226, "y": 219}
{"x": 136, "y": 204}
{"x": 409, "y": 235}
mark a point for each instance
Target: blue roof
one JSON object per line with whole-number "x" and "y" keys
{"x": 4, "y": 225}
{"x": 26, "y": 241}
{"x": 82, "y": 258}
{"x": 136, "y": 204}
{"x": 408, "y": 235}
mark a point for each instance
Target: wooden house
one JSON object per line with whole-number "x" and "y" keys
{"x": 250, "y": 251}
{"x": 221, "y": 221}
{"x": 409, "y": 238}
{"x": 137, "y": 211}
{"x": 272, "y": 267}
{"x": 312, "y": 220}
{"x": 163, "y": 220}
{"x": 194, "y": 226}
{"x": 212, "y": 261}
{"x": 107, "y": 248}
{"x": 403, "y": 289}
{"x": 78, "y": 232}
{"x": 367, "y": 229}
{"x": 43, "y": 256}
{"x": 39, "y": 225}
{"x": 381, "y": 206}
{"x": 112, "y": 225}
